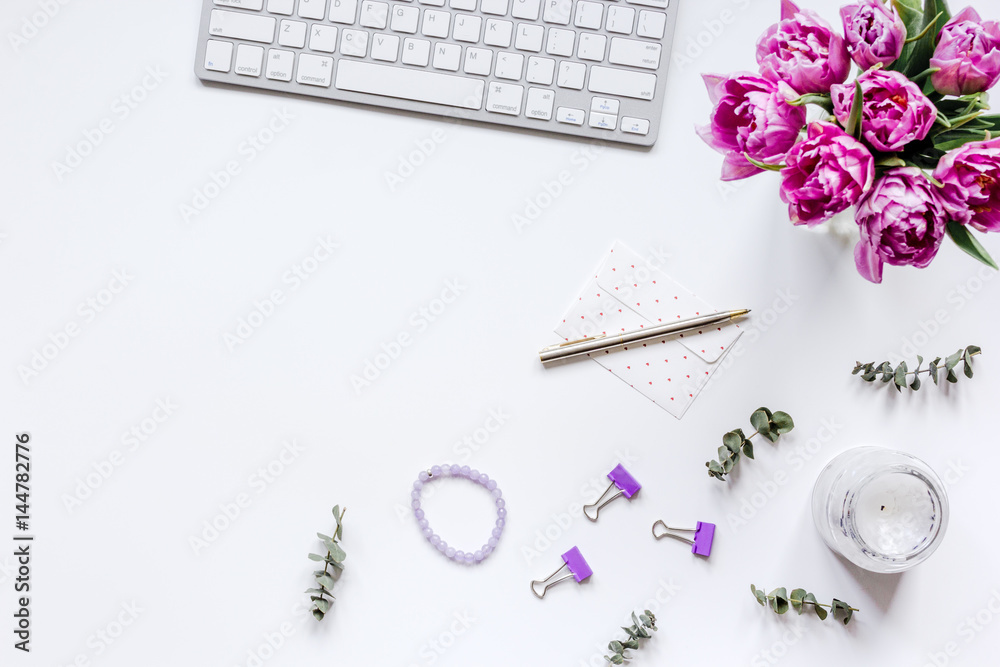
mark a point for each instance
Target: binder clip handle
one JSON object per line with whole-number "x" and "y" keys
{"x": 620, "y": 479}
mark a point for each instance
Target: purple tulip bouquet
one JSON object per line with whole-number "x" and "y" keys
{"x": 908, "y": 142}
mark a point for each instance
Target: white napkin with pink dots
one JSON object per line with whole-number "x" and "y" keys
{"x": 629, "y": 292}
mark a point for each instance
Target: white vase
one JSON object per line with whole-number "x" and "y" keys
{"x": 841, "y": 227}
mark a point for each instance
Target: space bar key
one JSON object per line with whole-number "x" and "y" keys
{"x": 408, "y": 84}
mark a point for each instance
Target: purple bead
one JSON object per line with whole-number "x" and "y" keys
{"x": 446, "y": 471}
{"x": 493, "y": 542}
{"x": 427, "y": 532}
{"x": 415, "y": 493}
{"x": 435, "y": 539}
{"x": 456, "y": 470}
{"x": 501, "y": 502}
{"x": 487, "y": 550}
{"x": 497, "y": 532}
{"x": 484, "y": 479}
{"x": 479, "y": 556}
{"x": 502, "y": 513}
{"x": 468, "y": 558}
{"x": 424, "y": 476}
{"x": 417, "y": 485}
{"x": 415, "y": 504}
{"x": 474, "y": 475}
{"x": 497, "y": 493}
{"x": 423, "y": 523}
{"x": 492, "y": 484}
{"x": 501, "y": 523}
{"x": 435, "y": 471}
{"x": 450, "y": 552}
{"x": 464, "y": 470}
{"x": 419, "y": 514}
{"x": 441, "y": 545}
{"x": 458, "y": 555}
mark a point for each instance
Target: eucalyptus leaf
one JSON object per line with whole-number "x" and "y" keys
{"x": 783, "y": 422}
{"x": 326, "y": 582}
{"x": 795, "y": 599}
{"x": 748, "y": 449}
{"x": 760, "y": 421}
{"x": 323, "y": 605}
{"x": 317, "y": 614}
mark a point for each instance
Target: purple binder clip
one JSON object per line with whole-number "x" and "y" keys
{"x": 620, "y": 479}
{"x": 574, "y": 562}
{"x": 704, "y": 534}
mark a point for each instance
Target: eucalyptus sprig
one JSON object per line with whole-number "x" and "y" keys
{"x": 769, "y": 424}
{"x": 334, "y": 558}
{"x": 641, "y": 625}
{"x": 780, "y": 600}
{"x": 900, "y": 374}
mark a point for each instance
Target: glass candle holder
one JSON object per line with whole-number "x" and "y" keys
{"x": 883, "y": 510}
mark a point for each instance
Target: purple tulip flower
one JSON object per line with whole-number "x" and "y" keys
{"x": 827, "y": 173}
{"x": 902, "y": 223}
{"x": 752, "y": 116}
{"x": 875, "y": 33}
{"x": 971, "y": 179}
{"x": 967, "y": 55}
{"x": 895, "y": 111}
{"x": 803, "y": 51}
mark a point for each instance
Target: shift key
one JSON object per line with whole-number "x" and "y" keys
{"x": 620, "y": 82}
{"x": 239, "y": 25}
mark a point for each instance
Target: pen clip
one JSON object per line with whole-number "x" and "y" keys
{"x": 573, "y": 342}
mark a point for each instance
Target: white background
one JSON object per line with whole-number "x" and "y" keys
{"x": 162, "y": 337}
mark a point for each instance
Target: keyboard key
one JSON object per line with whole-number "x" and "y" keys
{"x": 662, "y": 4}
{"x": 374, "y": 14}
{"x": 605, "y": 105}
{"x": 385, "y": 47}
{"x": 570, "y": 115}
{"x": 620, "y": 20}
{"x": 280, "y": 64}
{"x": 312, "y": 9}
{"x": 589, "y": 15}
{"x": 603, "y": 121}
{"x": 323, "y": 38}
{"x": 249, "y": 60}
{"x": 435, "y": 23}
{"x": 571, "y": 75}
{"x": 560, "y": 42}
{"x": 591, "y": 46}
{"x": 447, "y": 56}
{"x": 540, "y": 70}
{"x": 529, "y": 37}
{"x": 498, "y": 33}
{"x": 557, "y": 11}
{"x": 504, "y": 98}
{"x": 467, "y": 28}
{"x": 354, "y": 43}
{"x": 509, "y": 66}
{"x": 622, "y": 83}
{"x": 526, "y": 9}
{"x": 432, "y": 3}
{"x": 404, "y": 19}
{"x": 238, "y": 25}
{"x": 255, "y": 5}
{"x": 343, "y": 11}
{"x": 315, "y": 70}
{"x": 284, "y": 7}
{"x": 635, "y": 125}
{"x": 651, "y": 24}
{"x": 634, "y": 53}
{"x": 467, "y": 5}
{"x": 495, "y": 7}
{"x": 292, "y": 33}
{"x": 416, "y": 52}
{"x": 219, "y": 56}
{"x": 539, "y": 103}
{"x": 478, "y": 61}
{"x": 410, "y": 84}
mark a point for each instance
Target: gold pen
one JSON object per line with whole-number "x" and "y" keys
{"x": 604, "y": 342}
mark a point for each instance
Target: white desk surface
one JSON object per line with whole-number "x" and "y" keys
{"x": 161, "y": 337}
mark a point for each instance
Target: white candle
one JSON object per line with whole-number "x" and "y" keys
{"x": 895, "y": 514}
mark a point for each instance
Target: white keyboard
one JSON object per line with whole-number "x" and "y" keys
{"x": 587, "y": 68}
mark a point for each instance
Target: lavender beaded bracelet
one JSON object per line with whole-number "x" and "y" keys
{"x": 482, "y": 479}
